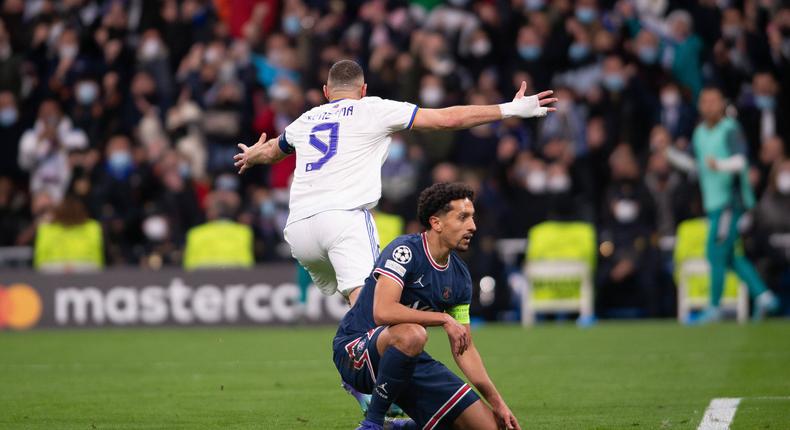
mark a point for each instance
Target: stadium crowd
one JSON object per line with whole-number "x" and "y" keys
{"x": 135, "y": 108}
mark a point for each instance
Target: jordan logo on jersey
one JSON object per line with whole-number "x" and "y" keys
{"x": 416, "y": 305}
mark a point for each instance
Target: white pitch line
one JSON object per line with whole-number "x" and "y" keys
{"x": 719, "y": 414}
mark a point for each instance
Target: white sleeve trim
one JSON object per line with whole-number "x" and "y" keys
{"x": 731, "y": 164}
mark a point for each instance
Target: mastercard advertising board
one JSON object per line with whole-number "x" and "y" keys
{"x": 265, "y": 295}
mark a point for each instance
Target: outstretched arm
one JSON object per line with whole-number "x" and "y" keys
{"x": 460, "y": 117}
{"x": 472, "y": 365}
{"x": 263, "y": 152}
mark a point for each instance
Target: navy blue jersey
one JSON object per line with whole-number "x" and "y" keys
{"x": 427, "y": 286}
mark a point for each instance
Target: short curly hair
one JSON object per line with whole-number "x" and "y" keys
{"x": 435, "y": 200}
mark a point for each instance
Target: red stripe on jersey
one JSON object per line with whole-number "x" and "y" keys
{"x": 433, "y": 262}
{"x": 447, "y": 407}
{"x": 389, "y": 275}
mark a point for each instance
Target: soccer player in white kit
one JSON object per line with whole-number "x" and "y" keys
{"x": 340, "y": 147}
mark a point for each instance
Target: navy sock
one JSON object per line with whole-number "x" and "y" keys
{"x": 394, "y": 375}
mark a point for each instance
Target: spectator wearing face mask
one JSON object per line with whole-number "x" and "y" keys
{"x": 675, "y": 113}
{"x": 626, "y": 284}
{"x": 11, "y": 129}
{"x": 568, "y": 123}
{"x": 531, "y": 57}
{"x": 87, "y": 109}
{"x": 67, "y": 64}
{"x": 761, "y": 114}
{"x": 647, "y": 50}
{"x": 623, "y": 108}
{"x": 120, "y": 188}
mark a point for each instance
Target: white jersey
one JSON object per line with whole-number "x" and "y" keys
{"x": 340, "y": 147}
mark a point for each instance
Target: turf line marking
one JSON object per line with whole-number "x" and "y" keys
{"x": 719, "y": 414}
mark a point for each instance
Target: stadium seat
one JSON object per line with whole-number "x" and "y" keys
{"x": 692, "y": 274}
{"x": 67, "y": 249}
{"x": 559, "y": 267}
{"x": 219, "y": 244}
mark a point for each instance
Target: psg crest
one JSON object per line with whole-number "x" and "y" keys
{"x": 402, "y": 254}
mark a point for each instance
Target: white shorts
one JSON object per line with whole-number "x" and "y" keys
{"x": 338, "y": 248}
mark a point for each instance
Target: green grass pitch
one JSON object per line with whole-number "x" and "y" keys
{"x": 647, "y": 375}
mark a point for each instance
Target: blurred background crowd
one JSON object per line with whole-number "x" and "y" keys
{"x": 129, "y": 111}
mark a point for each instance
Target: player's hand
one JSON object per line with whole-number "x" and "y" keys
{"x": 458, "y": 335}
{"x": 244, "y": 159}
{"x": 505, "y": 418}
{"x": 711, "y": 162}
{"x": 524, "y": 106}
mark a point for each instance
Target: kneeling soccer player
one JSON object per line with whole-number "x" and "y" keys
{"x": 419, "y": 281}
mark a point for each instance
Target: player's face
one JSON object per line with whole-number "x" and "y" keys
{"x": 711, "y": 105}
{"x": 458, "y": 225}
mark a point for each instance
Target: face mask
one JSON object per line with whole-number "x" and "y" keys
{"x": 480, "y": 48}
{"x": 613, "y": 82}
{"x": 563, "y": 105}
{"x": 120, "y": 161}
{"x": 558, "y": 184}
{"x": 536, "y": 182}
{"x": 578, "y": 51}
{"x": 279, "y": 92}
{"x": 529, "y": 52}
{"x": 586, "y": 14}
{"x": 783, "y": 182}
{"x": 68, "y": 52}
{"x": 155, "y": 228}
{"x": 51, "y": 120}
{"x": 533, "y": 5}
{"x": 184, "y": 170}
{"x": 227, "y": 183}
{"x": 292, "y": 25}
{"x": 267, "y": 208}
{"x": 87, "y": 92}
{"x": 443, "y": 66}
{"x": 764, "y": 102}
{"x": 397, "y": 151}
{"x": 212, "y": 55}
{"x": 431, "y": 96}
{"x": 8, "y": 116}
{"x": 150, "y": 50}
{"x": 731, "y": 32}
{"x": 625, "y": 211}
{"x": 227, "y": 71}
{"x": 648, "y": 54}
{"x": 670, "y": 99}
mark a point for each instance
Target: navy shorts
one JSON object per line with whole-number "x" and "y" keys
{"x": 434, "y": 398}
